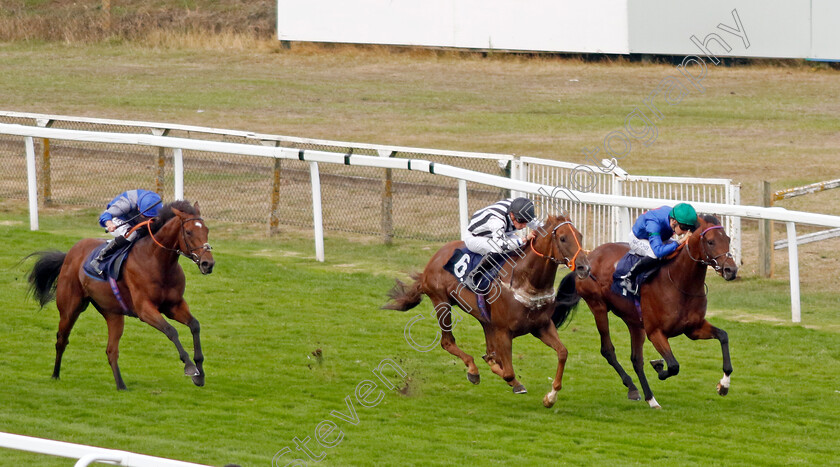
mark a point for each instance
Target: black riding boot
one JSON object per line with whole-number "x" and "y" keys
{"x": 111, "y": 247}
{"x": 628, "y": 280}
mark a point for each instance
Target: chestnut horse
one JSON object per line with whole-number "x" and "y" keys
{"x": 672, "y": 302}
{"x": 521, "y": 301}
{"x": 151, "y": 286}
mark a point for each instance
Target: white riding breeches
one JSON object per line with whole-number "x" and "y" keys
{"x": 122, "y": 229}
{"x": 640, "y": 246}
{"x": 486, "y": 245}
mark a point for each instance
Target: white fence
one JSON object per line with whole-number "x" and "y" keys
{"x": 601, "y": 224}
{"x": 779, "y": 29}
{"x": 790, "y": 218}
{"x": 86, "y": 454}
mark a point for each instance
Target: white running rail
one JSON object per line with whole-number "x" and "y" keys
{"x": 86, "y": 454}
{"x": 790, "y": 218}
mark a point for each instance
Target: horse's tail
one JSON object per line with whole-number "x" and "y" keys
{"x": 404, "y": 297}
{"x": 566, "y": 300}
{"x": 44, "y": 274}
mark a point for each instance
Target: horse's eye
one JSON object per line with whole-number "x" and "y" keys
{"x": 563, "y": 239}
{"x": 711, "y": 243}
{"x": 189, "y": 233}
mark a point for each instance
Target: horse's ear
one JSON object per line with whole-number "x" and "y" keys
{"x": 177, "y": 212}
{"x": 197, "y": 211}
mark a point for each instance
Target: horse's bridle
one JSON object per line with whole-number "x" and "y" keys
{"x": 569, "y": 262}
{"x": 714, "y": 261}
{"x": 195, "y": 258}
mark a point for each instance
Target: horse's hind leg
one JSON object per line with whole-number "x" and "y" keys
{"x": 149, "y": 314}
{"x": 116, "y": 323}
{"x": 71, "y": 303}
{"x": 548, "y": 335}
{"x": 707, "y": 331}
{"x": 447, "y": 340}
{"x": 181, "y": 313}
{"x": 599, "y": 312}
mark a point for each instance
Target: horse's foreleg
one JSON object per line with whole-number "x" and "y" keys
{"x": 660, "y": 343}
{"x": 116, "y": 324}
{"x": 447, "y": 340}
{"x": 181, "y": 313}
{"x": 149, "y": 314}
{"x": 548, "y": 335}
{"x": 707, "y": 331}
{"x": 637, "y": 344}
{"x": 500, "y": 357}
{"x": 599, "y": 312}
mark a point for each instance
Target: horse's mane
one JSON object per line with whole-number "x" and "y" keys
{"x": 709, "y": 219}
{"x": 165, "y": 213}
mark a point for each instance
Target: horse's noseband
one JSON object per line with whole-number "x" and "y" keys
{"x": 192, "y": 254}
{"x": 714, "y": 261}
{"x": 569, "y": 262}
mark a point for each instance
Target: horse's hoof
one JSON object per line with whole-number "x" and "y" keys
{"x": 658, "y": 365}
{"x": 550, "y": 399}
{"x": 520, "y": 389}
{"x": 191, "y": 370}
{"x": 653, "y": 404}
{"x": 474, "y": 378}
{"x": 722, "y": 390}
{"x": 633, "y": 395}
{"x": 198, "y": 380}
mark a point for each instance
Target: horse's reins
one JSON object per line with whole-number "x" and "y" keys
{"x": 192, "y": 255}
{"x": 570, "y": 263}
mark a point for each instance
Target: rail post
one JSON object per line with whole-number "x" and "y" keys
{"x": 387, "y": 218}
{"x": 765, "y": 233}
{"x": 160, "y": 174}
{"x": 46, "y": 175}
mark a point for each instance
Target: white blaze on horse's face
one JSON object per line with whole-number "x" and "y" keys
{"x": 198, "y": 224}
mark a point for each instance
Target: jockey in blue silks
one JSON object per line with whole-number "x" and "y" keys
{"x": 651, "y": 238}
{"x": 125, "y": 211}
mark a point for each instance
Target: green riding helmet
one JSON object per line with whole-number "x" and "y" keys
{"x": 685, "y": 214}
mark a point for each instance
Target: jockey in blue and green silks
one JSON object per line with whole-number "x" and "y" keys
{"x": 125, "y": 211}
{"x": 651, "y": 235}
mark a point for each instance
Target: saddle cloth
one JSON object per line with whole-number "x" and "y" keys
{"x": 463, "y": 262}
{"x": 111, "y": 266}
{"x": 622, "y": 268}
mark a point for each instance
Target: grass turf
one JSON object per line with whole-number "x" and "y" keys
{"x": 266, "y": 310}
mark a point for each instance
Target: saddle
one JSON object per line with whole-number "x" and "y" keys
{"x": 111, "y": 266}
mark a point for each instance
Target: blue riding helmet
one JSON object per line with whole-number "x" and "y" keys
{"x": 149, "y": 204}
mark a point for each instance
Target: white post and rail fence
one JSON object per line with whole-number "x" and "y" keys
{"x": 790, "y": 218}
{"x": 86, "y": 455}
{"x": 766, "y": 243}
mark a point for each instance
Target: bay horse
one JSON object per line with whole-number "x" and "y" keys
{"x": 151, "y": 285}
{"x": 672, "y": 302}
{"x": 523, "y": 299}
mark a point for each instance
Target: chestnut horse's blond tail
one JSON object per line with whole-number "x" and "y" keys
{"x": 403, "y": 296}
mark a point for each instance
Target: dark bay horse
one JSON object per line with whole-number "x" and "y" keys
{"x": 152, "y": 284}
{"x": 522, "y": 299}
{"x": 672, "y": 303}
